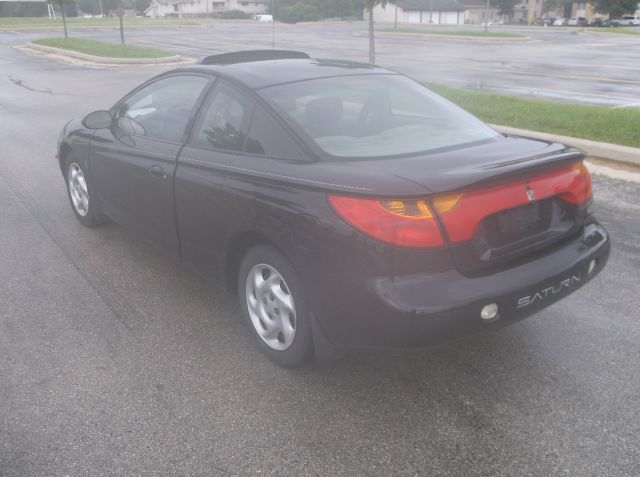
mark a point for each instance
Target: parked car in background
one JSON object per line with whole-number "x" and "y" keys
{"x": 345, "y": 204}
{"x": 264, "y": 18}
{"x": 573, "y": 21}
{"x": 495, "y": 21}
{"x": 612, "y": 23}
{"x": 596, "y": 22}
{"x": 629, "y": 20}
{"x": 560, "y": 21}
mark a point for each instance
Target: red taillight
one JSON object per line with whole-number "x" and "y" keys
{"x": 408, "y": 223}
{"x": 571, "y": 183}
{"x": 579, "y": 186}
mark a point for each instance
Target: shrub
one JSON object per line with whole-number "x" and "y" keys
{"x": 299, "y": 13}
{"x": 236, "y": 15}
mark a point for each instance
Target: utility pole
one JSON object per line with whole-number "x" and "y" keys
{"x": 274, "y": 5}
{"x": 120, "y": 15}
{"x": 372, "y": 42}
{"x": 64, "y": 19}
{"x": 395, "y": 20}
{"x": 486, "y": 20}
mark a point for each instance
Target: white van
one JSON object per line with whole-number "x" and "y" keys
{"x": 630, "y": 20}
{"x": 264, "y": 18}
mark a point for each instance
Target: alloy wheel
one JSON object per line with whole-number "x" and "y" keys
{"x": 271, "y": 306}
{"x": 78, "y": 189}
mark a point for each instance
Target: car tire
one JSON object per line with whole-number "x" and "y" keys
{"x": 81, "y": 193}
{"x": 274, "y": 306}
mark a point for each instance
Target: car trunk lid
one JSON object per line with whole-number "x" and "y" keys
{"x": 511, "y": 198}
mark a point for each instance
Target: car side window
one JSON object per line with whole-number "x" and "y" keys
{"x": 224, "y": 120}
{"x": 266, "y": 138}
{"x": 162, "y": 109}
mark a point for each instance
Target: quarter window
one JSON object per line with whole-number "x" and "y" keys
{"x": 266, "y": 138}
{"x": 224, "y": 120}
{"x": 162, "y": 109}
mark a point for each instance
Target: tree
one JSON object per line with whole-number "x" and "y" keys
{"x": 616, "y": 8}
{"x": 293, "y": 11}
{"x": 562, "y": 5}
{"x": 64, "y": 18}
{"x": 93, "y": 6}
{"x": 23, "y": 9}
{"x": 120, "y": 14}
{"x": 505, "y": 7}
{"x": 551, "y": 5}
{"x": 371, "y": 4}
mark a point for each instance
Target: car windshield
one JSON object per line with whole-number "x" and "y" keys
{"x": 375, "y": 116}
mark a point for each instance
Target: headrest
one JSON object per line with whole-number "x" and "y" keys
{"x": 324, "y": 110}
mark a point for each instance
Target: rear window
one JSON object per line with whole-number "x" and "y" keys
{"x": 375, "y": 116}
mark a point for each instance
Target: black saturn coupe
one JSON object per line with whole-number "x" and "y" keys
{"x": 347, "y": 205}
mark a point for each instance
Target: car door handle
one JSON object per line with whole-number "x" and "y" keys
{"x": 157, "y": 171}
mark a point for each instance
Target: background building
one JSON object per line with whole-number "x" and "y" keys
{"x": 422, "y": 12}
{"x": 192, "y": 8}
{"x": 475, "y": 11}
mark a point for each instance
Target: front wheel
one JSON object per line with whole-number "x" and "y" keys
{"x": 274, "y": 307}
{"x": 81, "y": 194}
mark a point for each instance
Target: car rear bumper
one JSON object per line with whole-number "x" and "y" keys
{"x": 420, "y": 309}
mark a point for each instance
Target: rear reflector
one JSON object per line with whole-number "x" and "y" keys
{"x": 407, "y": 223}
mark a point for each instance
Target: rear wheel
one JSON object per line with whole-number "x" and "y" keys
{"x": 274, "y": 306}
{"x": 81, "y": 194}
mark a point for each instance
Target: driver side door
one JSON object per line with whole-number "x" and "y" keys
{"x": 133, "y": 162}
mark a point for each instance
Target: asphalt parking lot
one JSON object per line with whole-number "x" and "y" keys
{"x": 555, "y": 62}
{"x": 114, "y": 360}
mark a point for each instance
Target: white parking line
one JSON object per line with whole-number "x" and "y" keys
{"x": 560, "y": 76}
{"x": 583, "y": 65}
{"x": 549, "y": 92}
{"x": 168, "y": 45}
{"x": 207, "y": 44}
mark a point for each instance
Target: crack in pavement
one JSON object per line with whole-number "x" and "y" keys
{"x": 19, "y": 82}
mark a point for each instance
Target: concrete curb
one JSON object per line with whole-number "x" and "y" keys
{"x": 453, "y": 36}
{"x": 103, "y": 59}
{"x": 602, "y": 150}
{"x": 606, "y": 33}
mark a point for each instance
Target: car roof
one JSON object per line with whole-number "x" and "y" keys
{"x": 260, "y": 74}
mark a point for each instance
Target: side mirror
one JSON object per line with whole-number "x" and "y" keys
{"x": 98, "y": 120}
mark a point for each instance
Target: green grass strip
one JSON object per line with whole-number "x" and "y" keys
{"x": 598, "y": 123}
{"x": 617, "y": 30}
{"x": 107, "y": 50}
{"x": 452, "y": 32}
